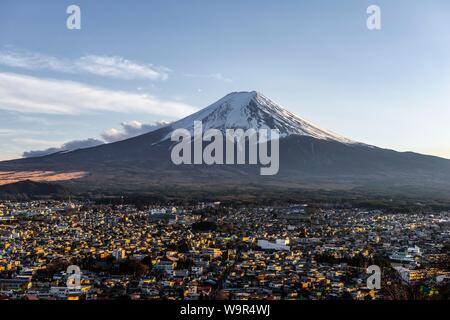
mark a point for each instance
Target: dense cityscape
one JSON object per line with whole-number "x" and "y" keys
{"x": 211, "y": 251}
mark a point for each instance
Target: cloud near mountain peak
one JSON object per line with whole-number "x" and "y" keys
{"x": 131, "y": 129}
{"x": 127, "y": 130}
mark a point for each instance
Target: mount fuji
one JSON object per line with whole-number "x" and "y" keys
{"x": 310, "y": 158}
{"x": 252, "y": 110}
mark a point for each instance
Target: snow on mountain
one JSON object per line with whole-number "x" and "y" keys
{"x": 246, "y": 110}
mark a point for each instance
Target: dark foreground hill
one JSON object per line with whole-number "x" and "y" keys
{"x": 30, "y": 189}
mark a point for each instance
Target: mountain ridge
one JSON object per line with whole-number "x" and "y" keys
{"x": 310, "y": 157}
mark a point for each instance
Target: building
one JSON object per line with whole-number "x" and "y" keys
{"x": 279, "y": 244}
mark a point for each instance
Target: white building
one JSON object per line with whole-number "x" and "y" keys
{"x": 279, "y": 244}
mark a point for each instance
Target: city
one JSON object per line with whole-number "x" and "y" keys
{"x": 215, "y": 251}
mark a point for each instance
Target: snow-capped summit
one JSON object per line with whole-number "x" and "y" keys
{"x": 245, "y": 110}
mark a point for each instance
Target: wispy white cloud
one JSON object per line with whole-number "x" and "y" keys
{"x": 131, "y": 129}
{"x": 118, "y": 67}
{"x": 214, "y": 76}
{"x": 99, "y": 65}
{"x": 28, "y": 94}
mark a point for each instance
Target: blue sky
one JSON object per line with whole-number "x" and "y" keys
{"x": 137, "y": 62}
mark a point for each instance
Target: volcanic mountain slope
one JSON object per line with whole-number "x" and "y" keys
{"x": 310, "y": 157}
